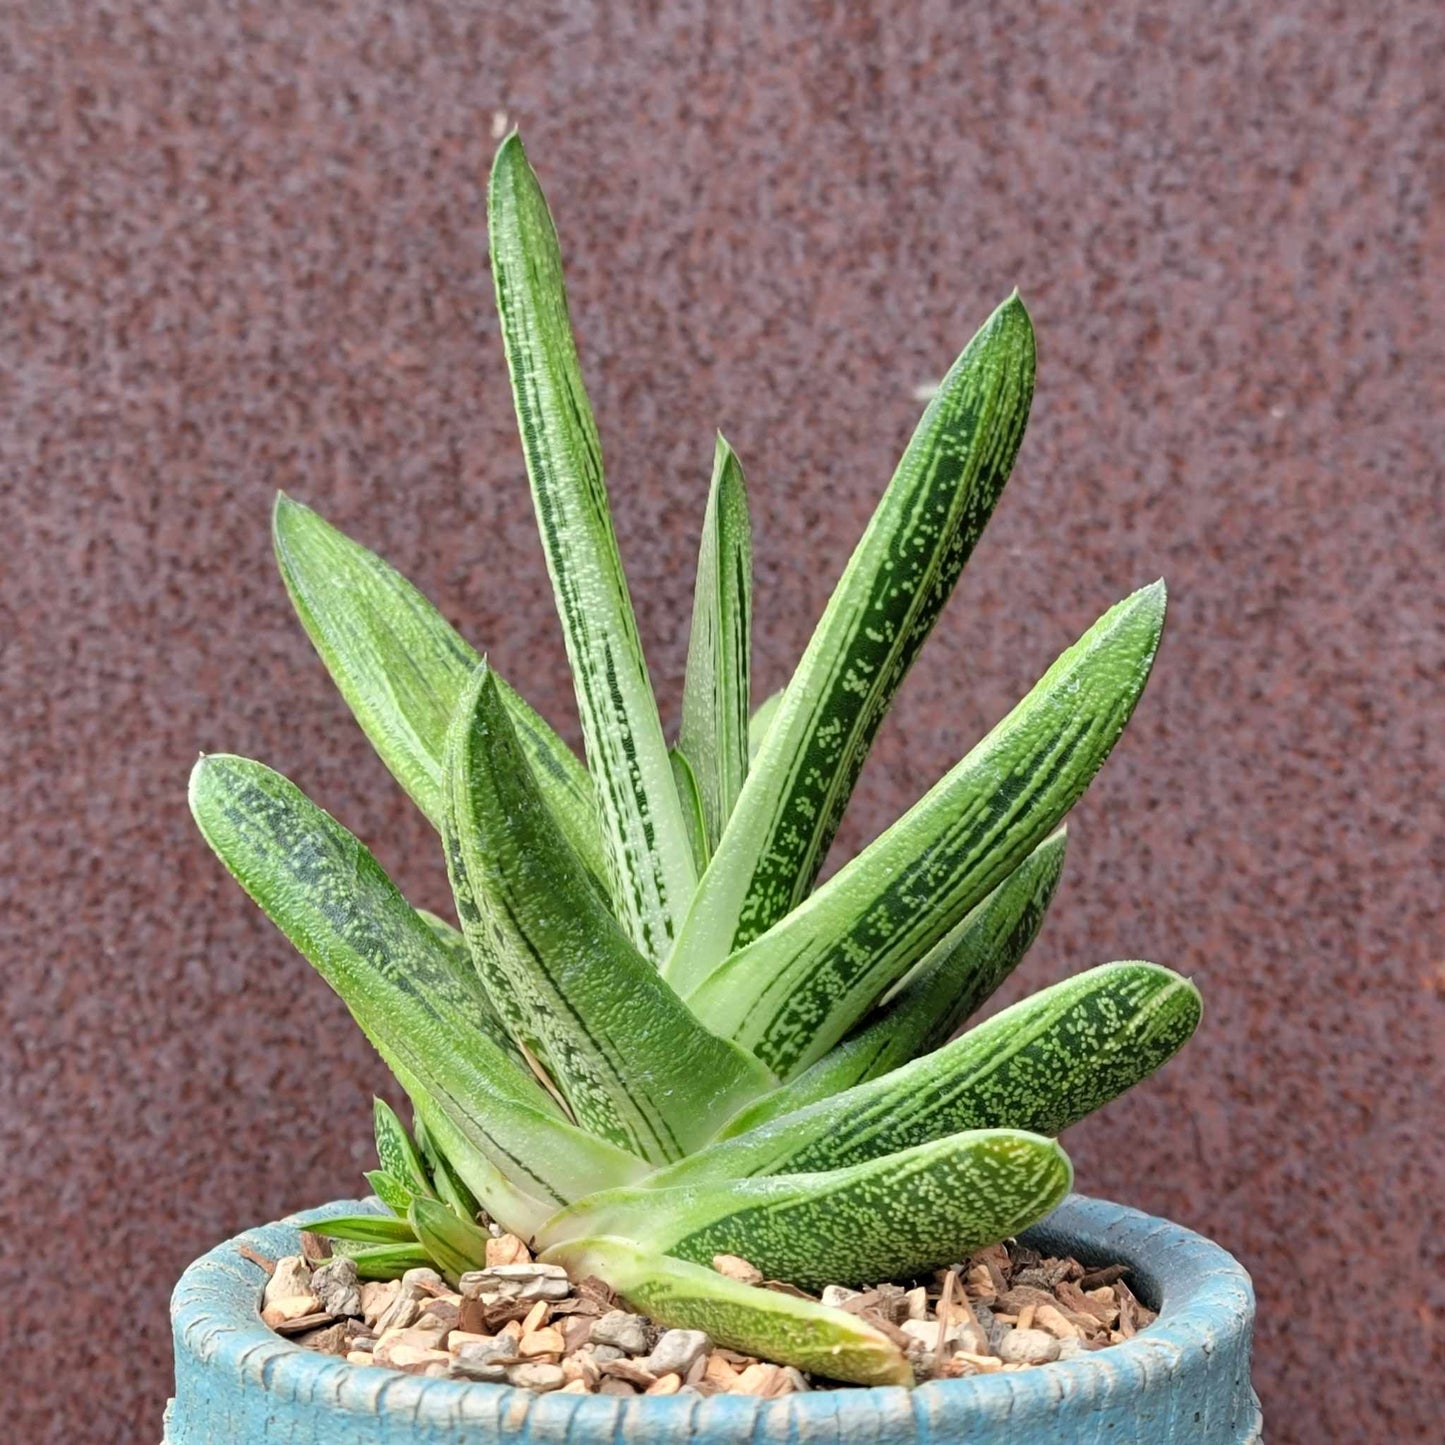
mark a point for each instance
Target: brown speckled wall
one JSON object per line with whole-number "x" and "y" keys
{"x": 243, "y": 248}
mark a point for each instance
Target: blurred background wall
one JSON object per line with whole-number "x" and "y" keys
{"x": 244, "y": 249}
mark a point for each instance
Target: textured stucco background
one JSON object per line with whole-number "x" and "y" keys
{"x": 243, "y": 247}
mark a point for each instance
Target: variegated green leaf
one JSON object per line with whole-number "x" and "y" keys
{"x": 762, "y": 1322}
{"x": 650, "y": 866}
{"x": 388, "y": 1261}
{"x": 391, "y": 1191}
{"x": 1041, "y": 1065}
{"x": 322, "y": 888}
{"x": 634, "y": 1065}
{"x": 714, "y": 736}
{"x": 879, "y": 615}
{"x": 888, "y": 1218}
{"x": 790, "y": 995}
{"x": 365, "y": 1228}
{"x": 691, "y": 801}
{"x": 446, "y": 1182}
{"x": 395, "y": 1151}
{"x": 761, "y": 721}
{"x": 400, "y": 666}
{"x": 455, "y": 1244}
{"x": 950, "y": 983}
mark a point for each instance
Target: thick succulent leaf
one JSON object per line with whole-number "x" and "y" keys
{"x": 888, "y": 1218}
{"x": 366, "y": 1228}
{"x": 455, "y": 1244}
{"x": 650, "y": 865}
{"x": 388, "y": 1261}
{"x": 714, "y": 735}
{"x": 401, "y": 665}
{"x": 882, "y": 610}
{"x": 395, "y": 1151}
{"x": 762, "y": 1322}
{"x": 329, "y": 896}
{"x": 761, "y": 721}
{"x": 691, "y": 800}
{"x": 446, "y": 1182}
{"x": 790, "y": 995}
{"x": 391, "y": 1191}
{"x": 950, "y": 983}
{"x": 1041, "y": 1065}
{"x": 634, "y": 1065}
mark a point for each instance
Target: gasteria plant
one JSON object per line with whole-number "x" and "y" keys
{"x": 653, "y": 1040}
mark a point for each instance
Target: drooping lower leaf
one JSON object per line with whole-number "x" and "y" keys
{"x": 790, "y": 995}
{"x": 401, "y": 665}
{"x": 880, "y": 613}
{"x": 951, "y": 982}
{"x": 888, "y": 1218}
{"x": 455, "y": 1244}
{"x": 1041, "y": 1065}
{"x": 773, "y": 1326}
{"x": 634, "y": 1065}
{"x": 326, "y": 892}
{"x": 714, "y": 734}
{"x": 649, "y": 862}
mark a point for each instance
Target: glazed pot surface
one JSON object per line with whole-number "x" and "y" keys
{"x": 1185, "y": 1378}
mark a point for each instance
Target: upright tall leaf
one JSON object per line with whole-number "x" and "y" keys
{"x": 882, "y": 610}
{"x": 649, "y": 860}
{"x": 401, "y": 666}
{"x": 714, "y": 735}
{"x": 636, "y": 1067}
{"x": 329, "y": 896}
{"x": 790, "y": 995}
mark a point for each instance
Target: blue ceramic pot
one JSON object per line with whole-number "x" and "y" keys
{"x": 1186, "y": 1378}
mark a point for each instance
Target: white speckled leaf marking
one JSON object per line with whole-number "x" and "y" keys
{"x": 885, "y": 1219}
{"x": 790, "y": 995}
{"x": 1041, "y": 1065}
{"x": 882, "y": 610}
{"x": 330, "y": 897}
{"x": 649, "y": 861}
{"x": 957, "y": 975}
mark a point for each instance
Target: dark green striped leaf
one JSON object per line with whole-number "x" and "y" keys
{"x": 650, "y": 866}
{"x": 761, "y": 1322}
{"x": 401, "y": 666}
{"x": 888, "y": 1218}
{"x": 634, "y": 1065}
{"x": 450, "y": 1188}
{"x": 882, "y": 610}
{"x": 329, "y": 896}
{"x": 388, "y": 1261}
{"x": 365, "y": 1228}
{"x": 691, "y": 800}
{"x": 950, "y": 983}
{"x": 714, "y": 735}
{"x": 455, "y": 1244}
{"x": 1041, "y": 1065}
{"x": 790, "y": 995}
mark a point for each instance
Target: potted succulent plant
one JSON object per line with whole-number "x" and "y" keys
{"x": 656, "y": 1061}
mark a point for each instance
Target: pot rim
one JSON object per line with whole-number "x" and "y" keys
{"x": 1204, "y": 1297}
